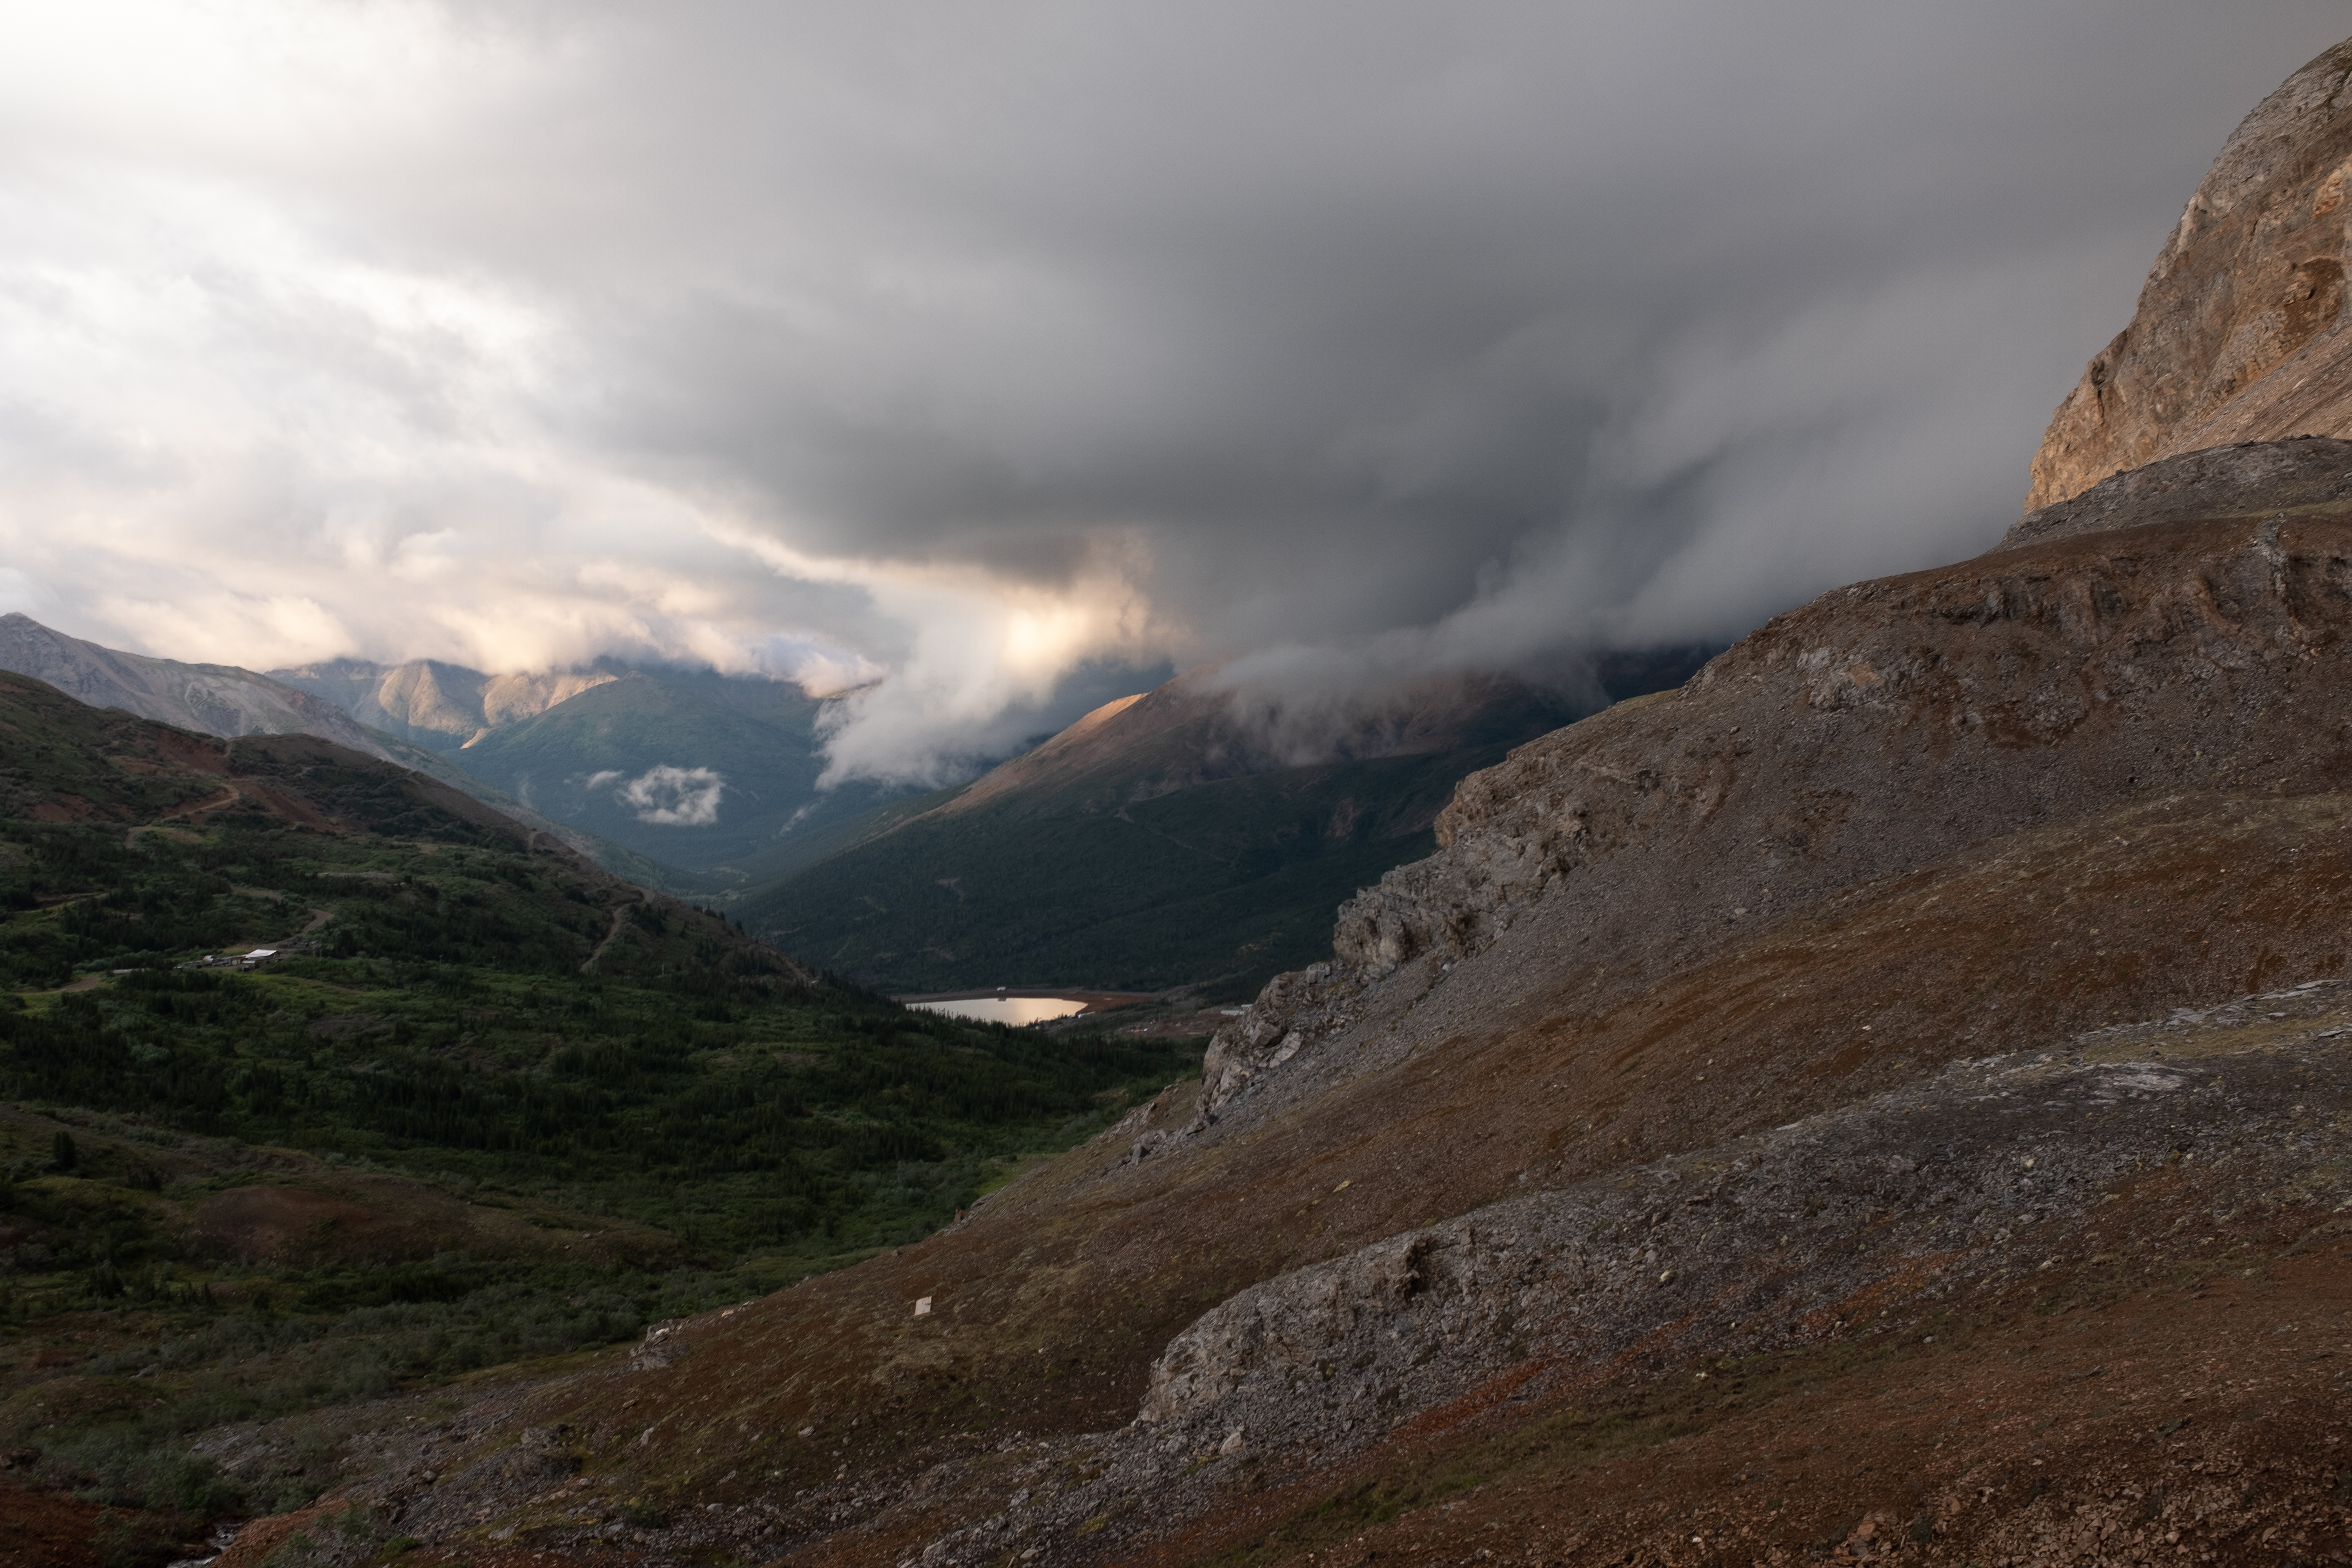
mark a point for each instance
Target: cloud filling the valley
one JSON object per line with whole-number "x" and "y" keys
{"x": 954, "y": 356}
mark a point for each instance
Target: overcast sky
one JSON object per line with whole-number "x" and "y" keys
{"x": 968, "y": 346}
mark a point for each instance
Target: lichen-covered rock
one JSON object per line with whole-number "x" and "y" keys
{"x": 663, "y": 1343}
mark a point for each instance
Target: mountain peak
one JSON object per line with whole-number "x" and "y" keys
{"x": 2238, "y": 335}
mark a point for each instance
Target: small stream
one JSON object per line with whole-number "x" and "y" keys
{"x": 219, "y": 1542}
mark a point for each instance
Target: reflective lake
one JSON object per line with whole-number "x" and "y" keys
{"x": 1014, "y": 1010}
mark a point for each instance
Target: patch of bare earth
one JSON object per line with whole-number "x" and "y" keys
{"x": 2200, "y": 1425}
{"x": 42, "y": 1529}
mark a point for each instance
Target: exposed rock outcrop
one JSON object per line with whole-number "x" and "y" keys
{"x": 2240, "y": 333}
{"x": 1861, "y": 1222}
{"x": 436, "y": 703}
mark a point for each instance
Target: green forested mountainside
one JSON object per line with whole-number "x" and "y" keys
{"x": 1226, "y": 883}
{"x": 626, "y": 864}
{"x": 757, "y": 736}
{"x": 501, "y": 1104}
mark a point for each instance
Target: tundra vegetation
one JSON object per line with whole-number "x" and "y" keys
{"x": 489, "y": 1106}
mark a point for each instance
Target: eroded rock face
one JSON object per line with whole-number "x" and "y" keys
{"x": 1292, "y": 1009}
{"x": 2240, "y": 333}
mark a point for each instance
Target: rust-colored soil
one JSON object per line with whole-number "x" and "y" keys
{"x": 2208, "y": 1425}
{"x": 255, "y": 1223}
{"x": 41, "y": 1529}
{"x": 1050, "y": 1302}
{"x": 256, "y": 1542}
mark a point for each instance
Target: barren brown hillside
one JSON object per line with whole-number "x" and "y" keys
{"x": 1725, "y": 1037}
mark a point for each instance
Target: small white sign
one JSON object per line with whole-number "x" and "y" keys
{"x": 923, "y": 1307}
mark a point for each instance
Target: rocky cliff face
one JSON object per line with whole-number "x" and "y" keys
{"x": 437, "y": 704}
{"x": 2238, "y": 334}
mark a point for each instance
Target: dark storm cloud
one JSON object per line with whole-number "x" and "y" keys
{"x": 976, "y": 345}
{"x": 1340, "y": 308}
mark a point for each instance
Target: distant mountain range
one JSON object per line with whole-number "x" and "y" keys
{"x": 715, "y": 773}
{"x": 1190, "y": 832}
{"x": 682, "y": 780}
{"x": 228, "y": 701}
{"x": 712, "y": 776}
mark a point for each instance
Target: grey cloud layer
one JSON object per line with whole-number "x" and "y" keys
{"x": 1341, "y": 306}
{"x": 1320, "y": 337}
